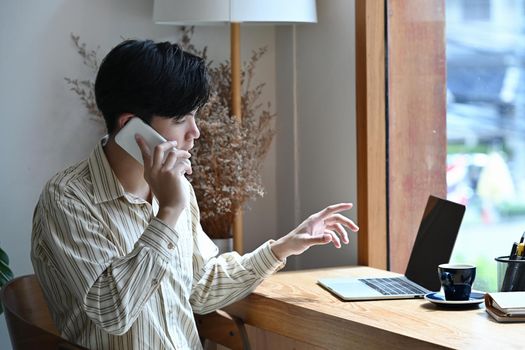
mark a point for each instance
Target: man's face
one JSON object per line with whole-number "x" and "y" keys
{"x": 183, "y": 130}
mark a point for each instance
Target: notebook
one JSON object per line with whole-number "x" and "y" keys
{"x": 434, "y": 242}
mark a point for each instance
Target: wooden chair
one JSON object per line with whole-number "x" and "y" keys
{"x": 31, "y": 326}
{"x": 28, "y": 319}
{"x": 221, "y": 328}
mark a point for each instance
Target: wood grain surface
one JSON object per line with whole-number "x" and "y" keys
{"x": 371, "y": 133}
{"x": 293, "y": 305}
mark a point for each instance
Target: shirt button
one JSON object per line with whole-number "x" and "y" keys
{"x": 155, "y": 282}
{"x": 170, "y": 246}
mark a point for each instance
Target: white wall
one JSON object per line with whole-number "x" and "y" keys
{"x": 326, "y": 100}
{"x": 45, "y": 127}
{"x": 317, "y": 142}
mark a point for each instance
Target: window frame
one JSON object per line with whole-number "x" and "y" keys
{"x": 401, "y": 123}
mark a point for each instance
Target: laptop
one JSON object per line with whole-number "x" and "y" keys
{"x": 433, "y": 246}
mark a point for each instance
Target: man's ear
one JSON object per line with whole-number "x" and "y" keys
{"x": 123, "y": 119}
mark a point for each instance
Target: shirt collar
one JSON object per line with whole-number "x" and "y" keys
{"x": 106, "y": 186}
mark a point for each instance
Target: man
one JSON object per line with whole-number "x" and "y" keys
{"x": 118, "y": 247}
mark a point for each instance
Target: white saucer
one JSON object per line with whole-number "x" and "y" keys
{"x": 439, "y": 298}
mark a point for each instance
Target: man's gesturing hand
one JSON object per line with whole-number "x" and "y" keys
{"x": 320, "y": 228}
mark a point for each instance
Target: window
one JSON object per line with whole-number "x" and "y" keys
{"x": 475, "y": 10}
{"x": 486, "y": 129}
{"x": 447, "y": 122}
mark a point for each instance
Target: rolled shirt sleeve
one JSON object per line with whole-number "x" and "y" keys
{"x": 223, "y": 279}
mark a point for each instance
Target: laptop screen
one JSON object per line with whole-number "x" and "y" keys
{"x": 434, "y": 241}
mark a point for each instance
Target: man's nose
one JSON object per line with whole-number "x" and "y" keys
{"x": 195, "y": 130}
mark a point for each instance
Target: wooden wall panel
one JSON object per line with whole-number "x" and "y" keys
{"x": 371, "y": 133}
{"x": 416, "y": 117}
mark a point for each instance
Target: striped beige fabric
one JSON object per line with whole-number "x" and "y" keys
{"x": 116, "y": 277}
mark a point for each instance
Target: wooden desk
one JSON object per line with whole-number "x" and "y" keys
{"x": 293, "y": 305}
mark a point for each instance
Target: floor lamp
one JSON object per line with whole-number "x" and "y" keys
{"x": 195, "y": 12}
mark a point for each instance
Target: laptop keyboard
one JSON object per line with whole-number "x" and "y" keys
{"x": 392, "y": 286}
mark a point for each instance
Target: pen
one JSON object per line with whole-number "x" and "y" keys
{"x": 512, "y": 255}
{"x": 520, "y": 249}
{"x": 515, "y": 269}
{"x": 519, "y": 273}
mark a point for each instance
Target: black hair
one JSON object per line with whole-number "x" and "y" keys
{"x": 150, "y": 79}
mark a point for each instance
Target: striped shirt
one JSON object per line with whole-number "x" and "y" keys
{"x": 116, "y": 277}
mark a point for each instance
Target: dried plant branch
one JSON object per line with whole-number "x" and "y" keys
{"x": 228, "y": 157}
{"x": 89, "y": 56}
{"x": 85, "y": 89}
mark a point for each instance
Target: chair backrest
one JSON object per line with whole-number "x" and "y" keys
{"x": 221, "y": 328}
{"x": 31, "y": 326}
{"x": 28, "y": 319}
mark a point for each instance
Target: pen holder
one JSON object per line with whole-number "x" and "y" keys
{"x": 511, "y": 274}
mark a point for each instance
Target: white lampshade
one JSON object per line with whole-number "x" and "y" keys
{"x": 184, "y": 12}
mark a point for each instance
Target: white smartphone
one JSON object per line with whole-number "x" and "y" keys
{"x": 125, "y": 138}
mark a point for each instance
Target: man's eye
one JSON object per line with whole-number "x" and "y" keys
{"x": 179, "y": 121}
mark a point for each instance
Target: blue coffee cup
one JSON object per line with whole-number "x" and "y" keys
{"x": 457, "y": 280}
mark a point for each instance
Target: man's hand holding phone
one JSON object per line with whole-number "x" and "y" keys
{"x": 164, "y": 169}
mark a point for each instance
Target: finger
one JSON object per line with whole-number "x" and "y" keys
{"x": 334, "y": 208}
{"x": 182, "y": 154}
{"x": 170, "y": 161}
{"x": 144, "y": 149}
{"x": 159, "y": 153}
{"x": 183, "y": 166}
{"x": 317, "y": 240}
{"x": 337, "y": 227}
{"x": 338, "y": 218}
{"x": 173, "y": 156}
{"x": 335, "y": 238}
